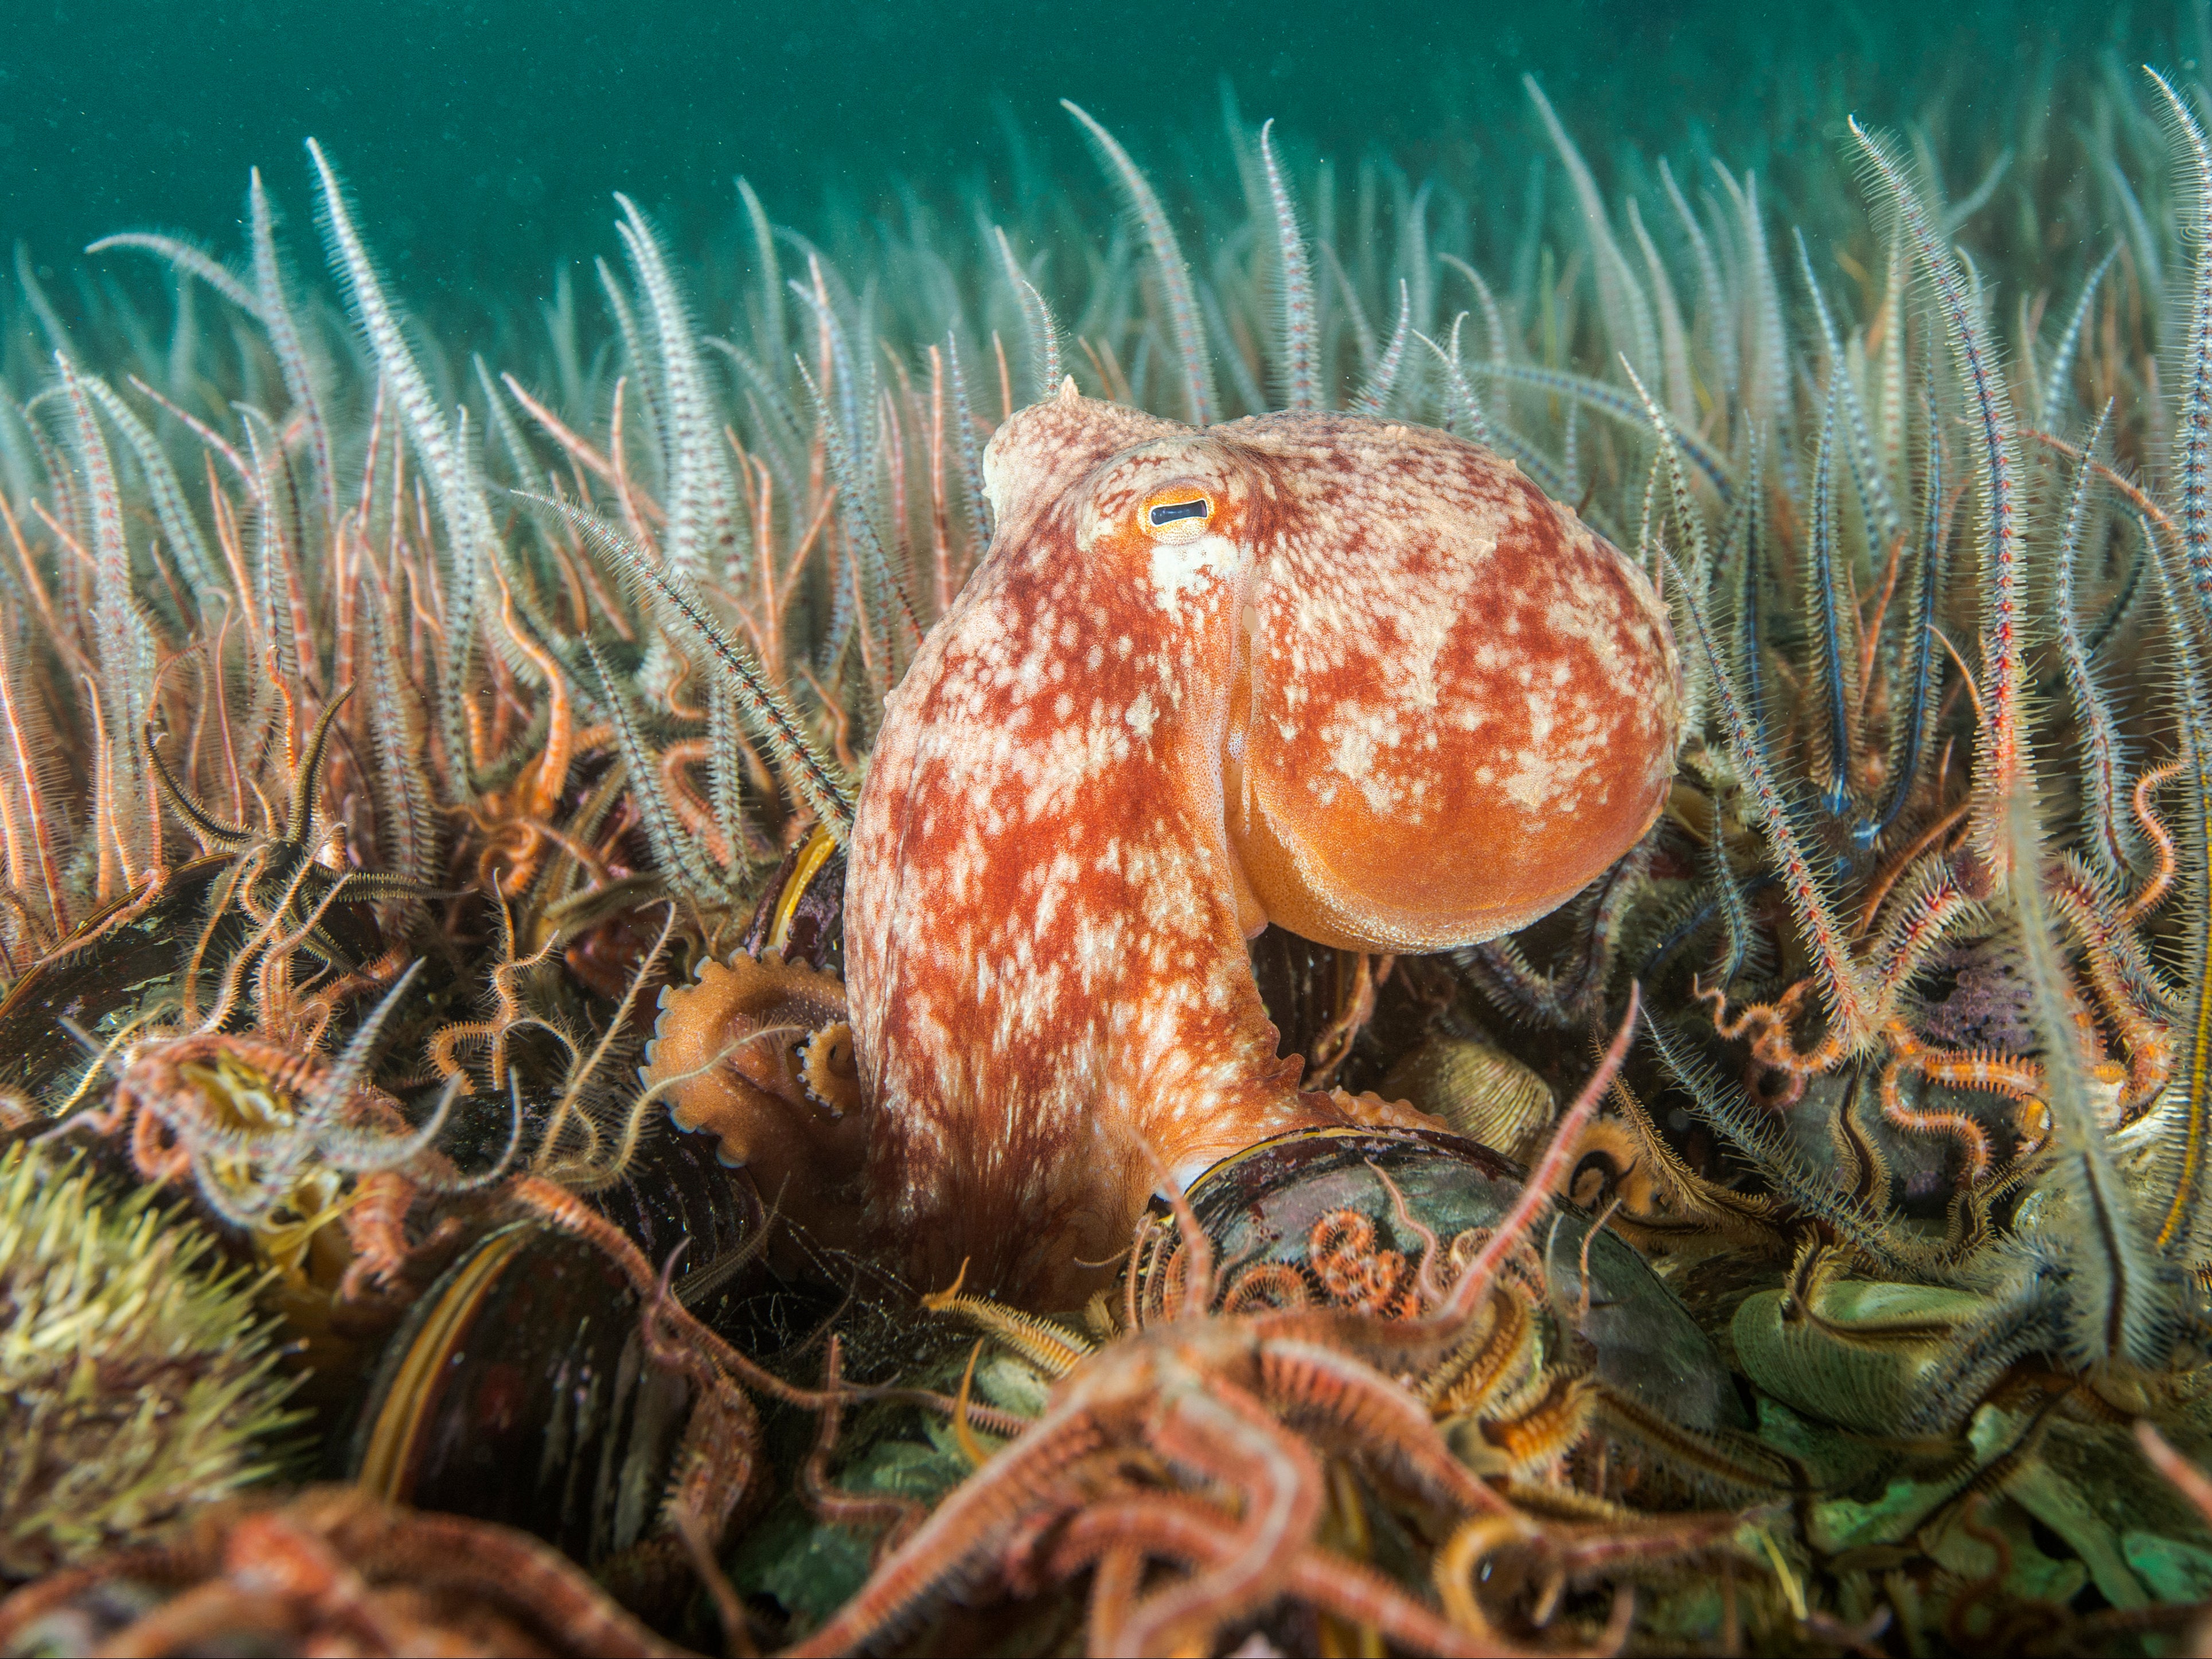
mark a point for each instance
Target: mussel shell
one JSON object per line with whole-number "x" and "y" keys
{"x": 1261, "y": 1206}
{"x": 801, "y": 915}
{"x": 676, "y": 1192}
{"x": 131, "y": 969}
{"x": 1482, "y": 1092}
{"x": 518, "y": 1390}
{"x": 1302, "y": 984}
{"x": 1859, "y": 1365}
{"x": 672, "y": 1189}
{"x": 128, "y": 966}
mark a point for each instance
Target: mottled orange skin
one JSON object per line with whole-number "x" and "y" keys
{"x": 1393, "y": 700}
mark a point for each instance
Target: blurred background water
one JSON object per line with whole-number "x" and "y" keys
{"x": 484, "y": 136}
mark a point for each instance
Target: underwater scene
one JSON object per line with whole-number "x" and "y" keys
{"x": 1248, "y": 830}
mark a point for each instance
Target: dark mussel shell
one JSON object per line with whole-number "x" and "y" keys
{"x": 518, "y": 1388}
{"x": 1313, "y": 995}
{"x": 675, "y": 1194}
{"x": 1262, "y": 1207}
{"x": 518, "y": 1391}
{"x": 111, "y": 972}
{"x": 801, "y": 916}
{"x": 680, "y": 1193}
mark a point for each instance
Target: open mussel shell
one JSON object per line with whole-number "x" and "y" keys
{"x": 1261, "y": 1209}
{"x": 1866, "y": 1356}
{"x": 801, "y": 916}
{"x": 111, "y": 972}
{"x": 518, "y": 1390}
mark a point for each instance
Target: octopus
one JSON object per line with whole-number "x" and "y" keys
{"x": 1359, "y": 679}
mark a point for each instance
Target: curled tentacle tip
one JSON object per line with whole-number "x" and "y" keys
{"x": 739, "y": 1053}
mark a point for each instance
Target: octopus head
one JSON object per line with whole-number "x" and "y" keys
{"x": 1449, "y": 704}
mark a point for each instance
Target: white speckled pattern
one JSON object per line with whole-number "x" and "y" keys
{"x": 1392, "y": 698}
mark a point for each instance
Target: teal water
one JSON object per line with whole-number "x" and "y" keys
{"x": 485, "y": 137}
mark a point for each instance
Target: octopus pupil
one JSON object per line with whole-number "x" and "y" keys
{"x": 1180, "y": 510}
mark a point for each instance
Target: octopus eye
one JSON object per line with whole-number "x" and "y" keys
{"x": 1176, "y": 514}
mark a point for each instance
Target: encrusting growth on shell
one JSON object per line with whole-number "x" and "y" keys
{"x": 1362, "y": 680}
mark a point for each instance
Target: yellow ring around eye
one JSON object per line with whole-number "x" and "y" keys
{"x": 1181, "y": 512}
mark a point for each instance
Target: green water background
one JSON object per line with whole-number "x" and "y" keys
{"x": 484, "y": 137}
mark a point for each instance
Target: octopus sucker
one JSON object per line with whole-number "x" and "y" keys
{"x": 1360, "y": 680}
{"x": 756, "y": 1053}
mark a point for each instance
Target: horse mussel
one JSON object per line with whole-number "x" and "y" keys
{"x": 121, "y": 968}
{"x": 520, "y": 1389}
{"x": 1344, "y": 1218}
{"x": 801, "y": 914}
